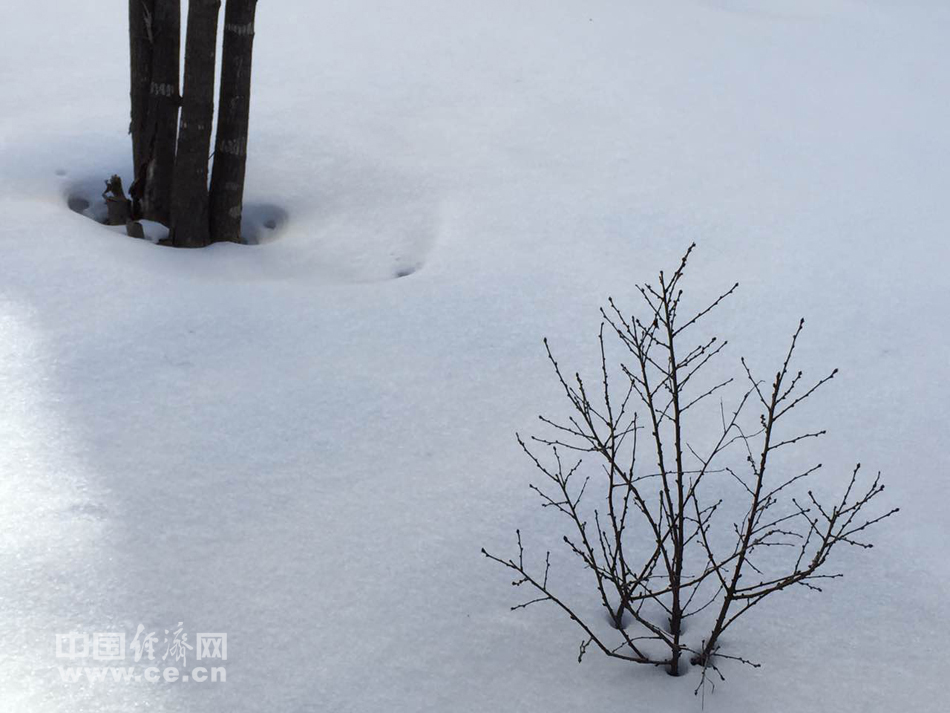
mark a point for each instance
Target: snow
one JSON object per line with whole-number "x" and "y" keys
{"x": 305, "y": 443}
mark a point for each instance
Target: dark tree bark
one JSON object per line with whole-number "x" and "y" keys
{"x": 189, "y": 221}
{"x": 119, "y": 207}
{"x": 230, "y": 156}
{"x": 155, "y": 44}
{"x": 140, "y": 54}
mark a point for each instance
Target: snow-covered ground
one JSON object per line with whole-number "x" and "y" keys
{"x": 292, "y": 444}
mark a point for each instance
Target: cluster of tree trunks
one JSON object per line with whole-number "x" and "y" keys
{"x": 171, "y": 153}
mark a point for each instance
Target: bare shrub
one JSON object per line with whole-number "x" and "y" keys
{"x": 687, "y": 530}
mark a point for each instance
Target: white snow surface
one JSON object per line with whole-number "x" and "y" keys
{"x": 288, "y": 443}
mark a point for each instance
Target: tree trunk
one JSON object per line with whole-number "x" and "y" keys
{"x": 190, "y": 222}
{"x": 155, "y": 43}
{"x": 230, "y": 157}
{"x": 140, "y": 54}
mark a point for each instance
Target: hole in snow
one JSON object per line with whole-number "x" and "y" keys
{"x": 262, "y": 222}
{"x": 405, "y": 271}
{"x": 77, "y": 204}
{"x": 84, "y": 196}
{"x": 612, "y": 623}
